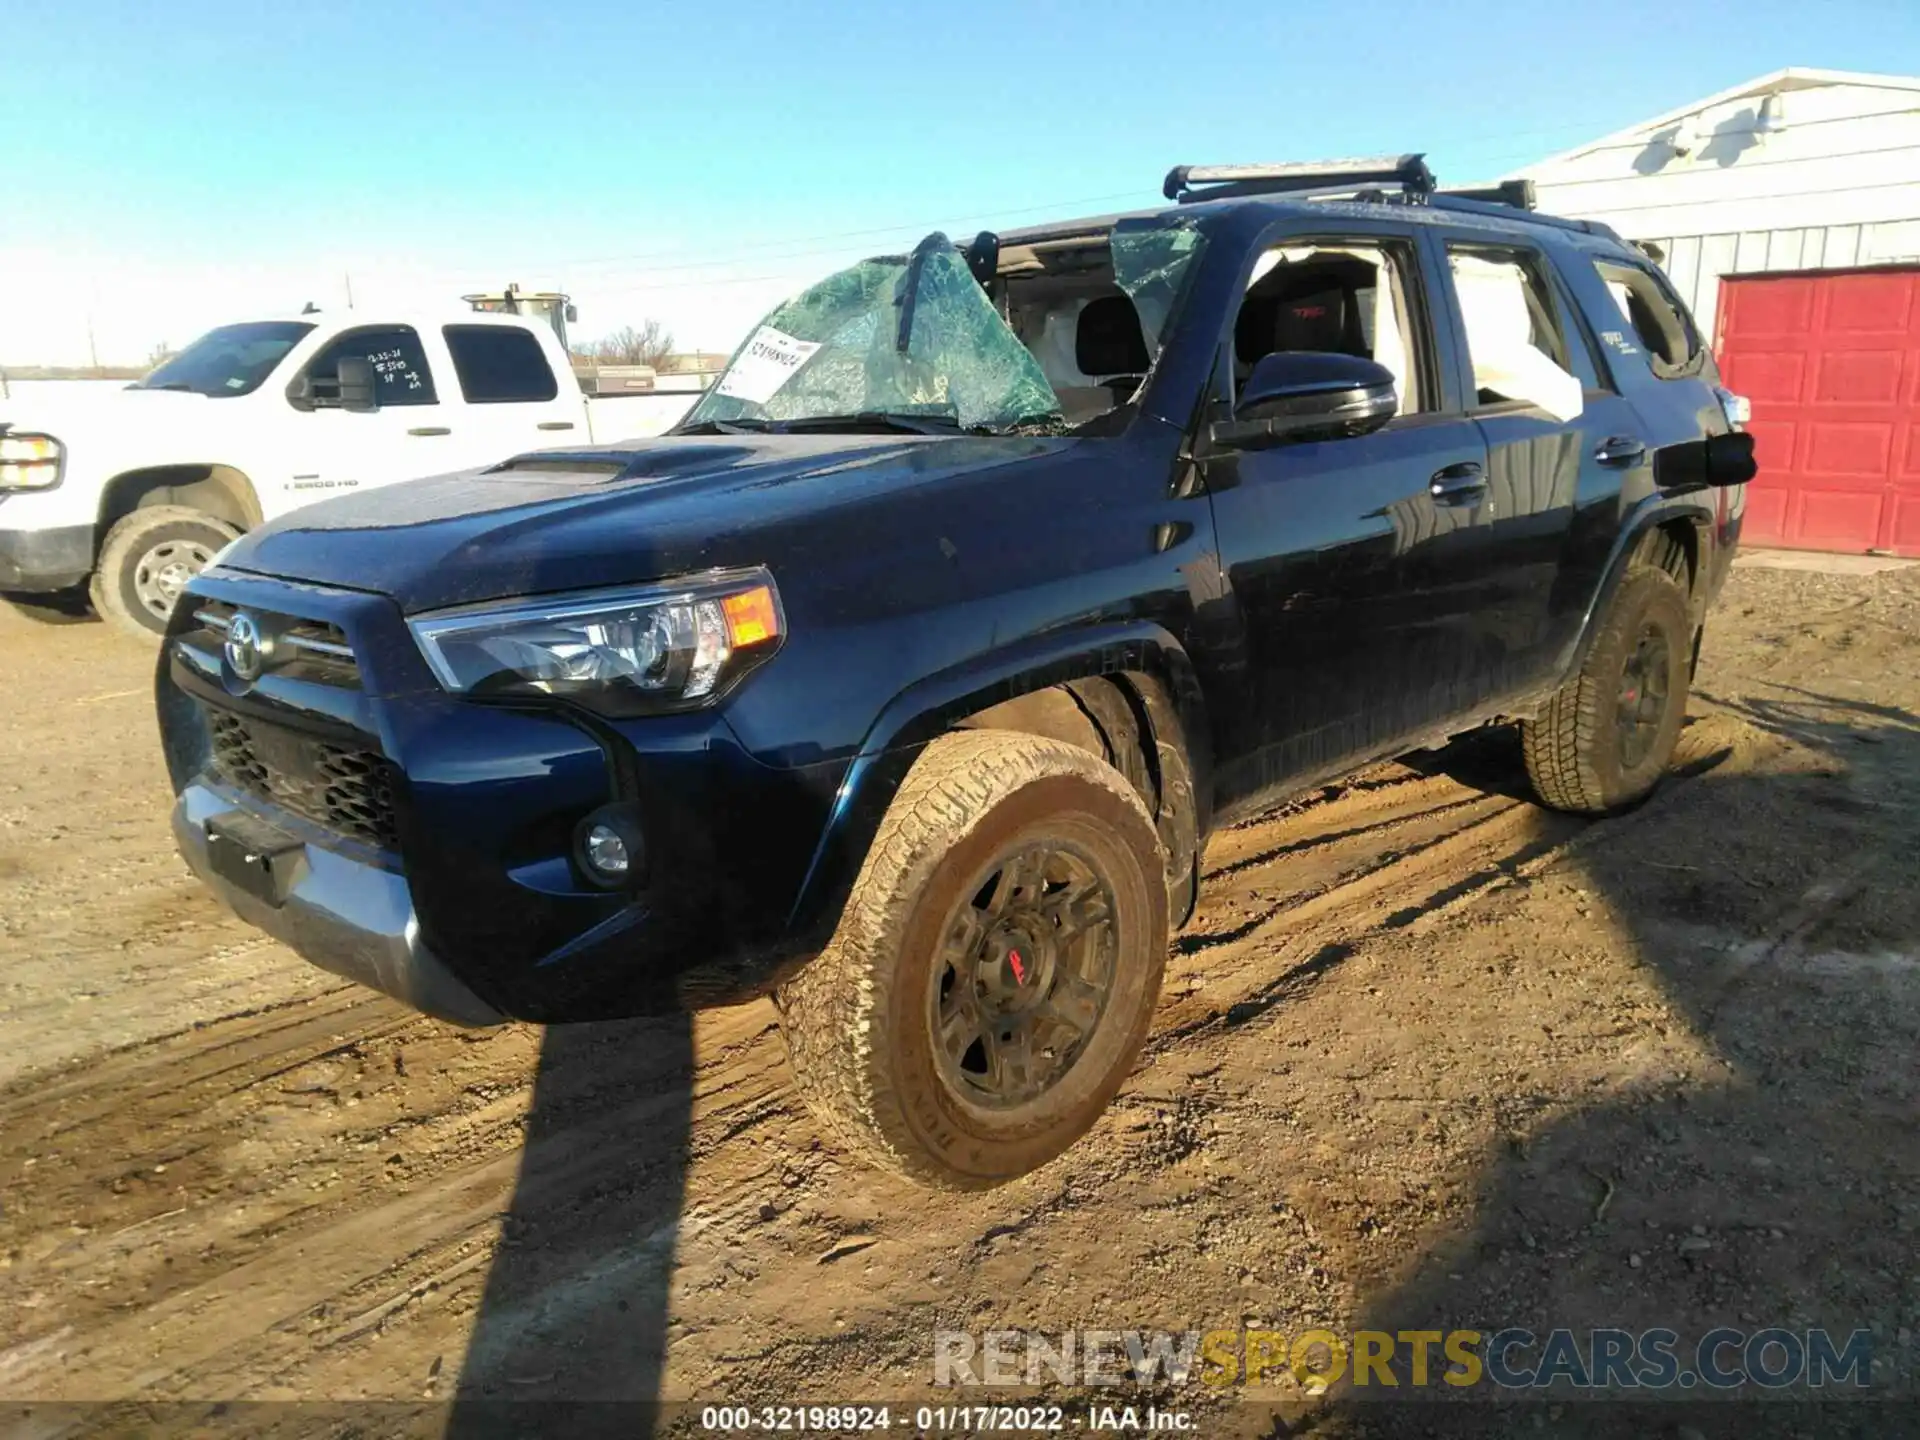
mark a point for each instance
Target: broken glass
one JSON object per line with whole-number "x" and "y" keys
{"x": 1151, "y": 262}
{"x": 899, "y": 336}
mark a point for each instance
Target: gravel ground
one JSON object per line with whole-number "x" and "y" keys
{"x": 1429, "y": 1058}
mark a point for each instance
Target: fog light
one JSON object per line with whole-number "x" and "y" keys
{"x": 607, "y": 853}
{"x": 608, "y": 849}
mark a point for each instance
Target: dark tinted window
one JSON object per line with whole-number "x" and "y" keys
{"x": 232, "y": 360}
{"x": 400, "y": 372}
{"x": 499, "y": 363}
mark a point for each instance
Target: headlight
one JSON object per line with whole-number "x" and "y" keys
{"x": 622, "y": 652}
{"x": 29, "y": 462}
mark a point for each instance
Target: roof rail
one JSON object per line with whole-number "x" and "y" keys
{"x": 1497, "y": 210}
{"x": 1222, "y": 182}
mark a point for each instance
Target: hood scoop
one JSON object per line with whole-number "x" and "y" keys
{"x": 657, "y": 462}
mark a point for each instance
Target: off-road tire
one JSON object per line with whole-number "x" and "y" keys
{"x": 1572, "y": 748}
{"x": 857, "y": 1029}
{"x": 115, "y": 589}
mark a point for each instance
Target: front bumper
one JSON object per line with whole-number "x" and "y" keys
{"x": 36, "y": 562}
{"x": 459, "y": 897}
{"x": 346, "y": 916}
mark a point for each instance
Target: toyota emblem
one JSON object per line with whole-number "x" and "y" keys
{"x": 245, "y": 648}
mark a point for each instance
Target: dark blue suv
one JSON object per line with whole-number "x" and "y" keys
{"x": 906, "y": 679}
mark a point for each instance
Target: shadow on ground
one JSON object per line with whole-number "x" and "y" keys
{"x": 1778, "y": 1184}
{"x": 571, "y": 1335}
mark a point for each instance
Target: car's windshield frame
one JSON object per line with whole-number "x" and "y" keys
{"x": 193, "y": 369}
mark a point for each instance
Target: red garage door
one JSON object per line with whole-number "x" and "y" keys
{"x": 1831, "y": 363}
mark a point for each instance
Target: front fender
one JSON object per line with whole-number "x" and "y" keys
{"x": 929, "y": 707}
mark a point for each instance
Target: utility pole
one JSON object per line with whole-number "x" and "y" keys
{"x": 348, "y": 277}
{"x": 93, "y": 350}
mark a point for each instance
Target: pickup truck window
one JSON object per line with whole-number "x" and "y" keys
{"x": 229, "y": 361}
{"x": 400, "y": 371}
{"x": 1346, "y": 297}
{"x": 1661, "y": 324}
{"x": 1513, "y": 339}
{"x": 499, "y": 365}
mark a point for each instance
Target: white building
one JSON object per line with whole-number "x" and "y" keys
{"x": 1787, "y": 213}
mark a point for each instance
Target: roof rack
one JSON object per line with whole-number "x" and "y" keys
{"x": 1517, "y": 193}
{"x": 1409, "y": 179}
{"x": 1223, "y": 182}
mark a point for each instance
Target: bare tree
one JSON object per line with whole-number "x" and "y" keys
{"x": 648, "y": 345}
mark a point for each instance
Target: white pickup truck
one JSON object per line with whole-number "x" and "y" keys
{"x": 133, "y": 490}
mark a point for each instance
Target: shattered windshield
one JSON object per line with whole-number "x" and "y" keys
{"x": 910, "y": 339}
{"x": 1151, "y": 262}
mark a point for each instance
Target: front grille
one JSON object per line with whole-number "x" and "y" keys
{"x": 303, "y": 649}
{"x": 347, "y": 790}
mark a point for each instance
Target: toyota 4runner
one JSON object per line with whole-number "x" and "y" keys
{"x": 905, "y": 680}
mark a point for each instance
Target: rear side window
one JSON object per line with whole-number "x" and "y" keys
{"x": 499, "y": 364}
{"x": 401, "y": 375}
{"x": 1514, "y": 339}
{"x": 1657, "y": 318}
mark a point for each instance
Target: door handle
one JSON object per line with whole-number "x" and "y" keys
{"x": 1620, "y": 450}
{"x": 1459, "y": 483}
{"x": 429, "y": 430}
{"x": 554, "y": 425}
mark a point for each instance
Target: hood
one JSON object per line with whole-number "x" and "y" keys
{"x": 573, "y": 520}
{"x": 51, "y": 405}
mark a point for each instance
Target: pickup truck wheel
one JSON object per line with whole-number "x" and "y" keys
{"x": 995, "y": 969}
{"x": 148, "y": 558}
{"x": 1604, "y": 740}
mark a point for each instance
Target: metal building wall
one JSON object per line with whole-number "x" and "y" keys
{"x": 1824, "y": 176}
{"x": 1697, "y": 263}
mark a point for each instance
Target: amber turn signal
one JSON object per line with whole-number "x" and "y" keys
{"x": 751, "y": 616}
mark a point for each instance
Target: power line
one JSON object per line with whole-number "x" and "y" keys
{"x": 751, "y": 251}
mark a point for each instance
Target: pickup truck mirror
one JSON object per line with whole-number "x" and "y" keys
{"x": 356, "y": 384}
{"x": 1308, "y": 395}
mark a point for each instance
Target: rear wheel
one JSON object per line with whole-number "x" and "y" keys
{"x": 147, "y": 560}
{"x": 995, "y": 969}
{"x": 1604, "y": 740}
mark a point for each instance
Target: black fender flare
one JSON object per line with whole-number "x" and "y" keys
{"x": 929, "y": 707}
{"x": 1654, "y": 511}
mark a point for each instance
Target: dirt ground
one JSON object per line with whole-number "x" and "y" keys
{"x": 1429, "y": 1057}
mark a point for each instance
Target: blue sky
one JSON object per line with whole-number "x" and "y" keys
{"x": 187, "y": 163}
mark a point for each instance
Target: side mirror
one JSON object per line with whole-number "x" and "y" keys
{"x": 356, "y": 384}
{"x": 1308, "y": 395}
{"x": 1717, "y": 460}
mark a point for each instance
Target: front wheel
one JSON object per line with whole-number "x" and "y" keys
{"x": 996, "y": 967}
{"x": 1605, "y": 738}
{"x": 147, "y": 560}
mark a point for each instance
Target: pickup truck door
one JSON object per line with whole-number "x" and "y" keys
{"x": 1559, "y": 441}
{"x": 514, "y": 394}
{"x": 1329, "y": 547}
{"x": 329, "y": 450}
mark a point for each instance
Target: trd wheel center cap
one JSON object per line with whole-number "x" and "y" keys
{"x": 1017, "y": 972}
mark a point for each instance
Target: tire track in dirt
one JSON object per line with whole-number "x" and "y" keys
{"x": 286, "y": 1266}
{"x": 206, "y": 1327}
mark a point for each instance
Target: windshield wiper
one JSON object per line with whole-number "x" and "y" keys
{"x": 728, "y": 427}
{"x": 907, "y": 424}
{"x": 882, "y": 420}
{"x": 170, "y": 385}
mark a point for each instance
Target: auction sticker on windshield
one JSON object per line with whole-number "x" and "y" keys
{"x": 767, "y": 362}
